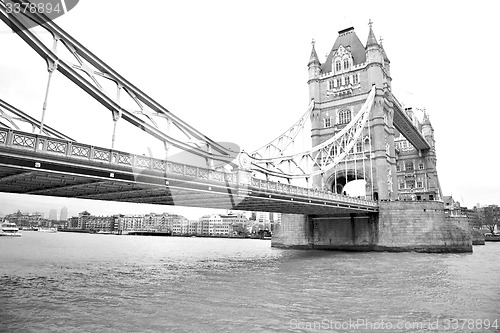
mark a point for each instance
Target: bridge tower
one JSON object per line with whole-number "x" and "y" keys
{"x": 339, "y": 88}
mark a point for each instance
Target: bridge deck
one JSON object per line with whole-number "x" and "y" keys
{"x": 33, "y": 164}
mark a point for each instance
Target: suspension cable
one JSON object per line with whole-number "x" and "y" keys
{"x": 364, "y": 158}
{"x": 345, "y": 164}
{"x": 371, "y": 159}
{"x": 51, "y": 67}
{"x": 116, "y": 117}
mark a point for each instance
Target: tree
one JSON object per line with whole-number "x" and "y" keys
{"x": 490, "y": 217}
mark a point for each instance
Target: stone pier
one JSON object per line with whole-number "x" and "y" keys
{"x": 399, "y": 226}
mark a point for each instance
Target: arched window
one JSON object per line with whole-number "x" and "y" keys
{"x": 346, "y": 63}
{"x": 344, "y": 116}
{"x": 367, "y": 144}
{"x": 338, "y": 66}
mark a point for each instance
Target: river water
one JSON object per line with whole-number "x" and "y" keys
{"x": 67, "y": 282}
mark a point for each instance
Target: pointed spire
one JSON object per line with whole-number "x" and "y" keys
{"x": 314, "y": 56}
{"x": 371, "y": 36}
{"x": 426, "y": 120}
{"x": 386, "y": 59}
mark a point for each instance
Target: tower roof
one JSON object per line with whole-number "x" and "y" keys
{"x": 313, "y": 59}
{"x": 347, "y": 37}
{"x": 371, "y": 36}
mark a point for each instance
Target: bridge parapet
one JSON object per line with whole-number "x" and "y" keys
{"x": 308, "y": 192}
{"x": 78, "y": 151}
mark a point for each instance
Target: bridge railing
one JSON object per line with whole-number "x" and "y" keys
{"x": 309, "y": 192}
{"x": 77, "y": 151}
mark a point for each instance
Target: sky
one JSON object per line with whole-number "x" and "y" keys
{"x": 237, "y": 72}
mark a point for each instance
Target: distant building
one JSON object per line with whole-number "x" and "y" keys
{"x": 451, "y": 207}
{"x": 164, "y": 223}
{"x": 25, "y": 219}
{"x": 64, "y": 214}
{"x": 180, "y": 225}
{"x": 53, "y": 215}
{"x": 472, "y": 217}
{"x": 235, "y": 224}
{"x": 100, "y": 223}
{"x": 210, "y": 225}
{"x": 83, "y": 217}
{"x": 193, "y": 227}
{"x": 262, "y": 217}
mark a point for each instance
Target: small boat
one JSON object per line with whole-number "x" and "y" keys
{"x": 10, "y": 229}
{"x": 43, "y": 229}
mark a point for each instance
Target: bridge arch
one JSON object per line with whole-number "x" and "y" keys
{"x": 337, "y": 181}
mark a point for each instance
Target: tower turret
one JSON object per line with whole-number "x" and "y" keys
{"x": 314, "y": 68}
{"x": 374, "y": 59}
{"x": 428, "y": 130}
{"x": 386, "y": 63}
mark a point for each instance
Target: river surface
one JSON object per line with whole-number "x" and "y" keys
{"x": 68, "y": 282}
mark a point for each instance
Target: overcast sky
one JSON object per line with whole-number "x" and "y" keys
{"x": 237, "y": 71}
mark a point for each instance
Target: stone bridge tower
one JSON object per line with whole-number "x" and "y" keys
{"x": 339, "y": 88}
{"x": 405, "y": 180}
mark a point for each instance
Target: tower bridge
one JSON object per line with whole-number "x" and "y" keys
{"x": 358, "y": 131}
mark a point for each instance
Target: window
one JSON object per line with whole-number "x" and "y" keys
{"x": 421, "y": 166}
{"x": 419, "y": 185}
{"x": 347, "y": 80}
{"x": 330, "y": 84}
{"x": 410, "y": 184}
{"x": 338, "y": 66}
{"x": 327, "y": 122}
{"x": 367, "y": 144}
{"x": 339, "y": 82}
{"x": 398, "y": 168}
{"x": 401, "y": 186}
{"x": 334, "y": 151}
{"x": 359, "y": 147}
{"x": 409, "y": 166}
{"x": 355, "y": 79}
{"x": 344, "y": 116}
{"x": 346, "y": 63}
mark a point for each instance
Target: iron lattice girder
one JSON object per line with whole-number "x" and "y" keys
{"x": 279, "y": 146}
{"x": 322, "y": 157}
{"x": 87, "y": 59}
{"x": 13, "y": 115}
